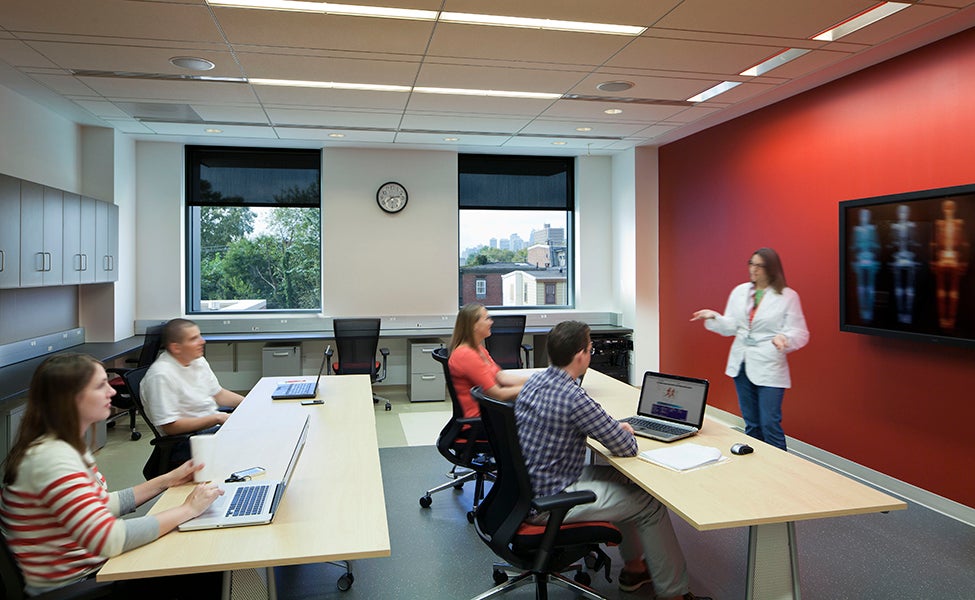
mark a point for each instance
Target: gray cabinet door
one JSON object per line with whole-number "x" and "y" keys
{"x": 41, "y": 235}
{"x": 9, "y": 232}
{"x": 87, "y": 250}
{"x": 71, "y": 239}
{"x": 106, "y": 241}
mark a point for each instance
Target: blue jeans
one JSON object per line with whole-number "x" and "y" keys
{"x": 761, "y": 408}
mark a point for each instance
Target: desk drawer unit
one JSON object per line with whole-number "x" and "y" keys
{"x": 426, "y": 383}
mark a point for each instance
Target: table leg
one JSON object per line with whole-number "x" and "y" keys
{"x": 773, "y": 562}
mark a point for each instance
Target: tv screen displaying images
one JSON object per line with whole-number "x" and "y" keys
{"x": 905, "y": 265}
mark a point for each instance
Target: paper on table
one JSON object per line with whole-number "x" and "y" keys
{"x": 683, "y": 456}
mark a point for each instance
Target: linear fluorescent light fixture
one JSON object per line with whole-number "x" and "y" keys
{"x": 490, "y": 93}
{"x": 860, "y": 21}
{"x": 329, "y": 8}
{"x": 383, "y": 12}
{"x": 549, "y": 24}
{"x": 330, "y": 85}
{"x": 714, "y": 91}
{"x": 776, "y": 61}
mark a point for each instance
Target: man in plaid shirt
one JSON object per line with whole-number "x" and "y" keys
{"x": 554, "y": 416}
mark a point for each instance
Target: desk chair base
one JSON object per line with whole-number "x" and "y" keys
{"x": 376, "y": 399}
{"x": 580, "y": 586}
{"x": 458, "y": 483}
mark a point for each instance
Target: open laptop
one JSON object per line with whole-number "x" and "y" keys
{"x": 671, "y": 407}
{"x": 248, "y": 502}
{"x": 301, "y": 389}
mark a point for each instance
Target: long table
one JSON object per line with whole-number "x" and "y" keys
{"x": 766, "y": 491}
{"x": 333, "y": 510}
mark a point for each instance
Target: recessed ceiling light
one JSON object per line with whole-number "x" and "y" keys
{"x": 192, "y": 63}
{"x": 336, "y": 135}
{"x": 869, "y": 17}
{"x": 330, "y": 9}
{"x": 451, "y": 139}
{"x": 613, "y": 111}
{"x": 709, "y": 93}
{"x": 583, "y": 129}
{"x": 212, "y": 130}
{"x": 330, "y": 85}
{"x": 614, "y": 86}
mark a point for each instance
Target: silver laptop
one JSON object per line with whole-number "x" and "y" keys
{"x": 247, "y": 502}
{"x": 671, "y": 407}
{"x": 300, "y": 389}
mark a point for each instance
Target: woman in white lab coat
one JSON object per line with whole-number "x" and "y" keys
{"x": 765, "y": 317}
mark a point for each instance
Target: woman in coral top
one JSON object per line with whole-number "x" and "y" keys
{"x": 471, "y": 364}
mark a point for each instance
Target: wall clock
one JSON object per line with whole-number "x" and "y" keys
{"x": 391, "y": 197}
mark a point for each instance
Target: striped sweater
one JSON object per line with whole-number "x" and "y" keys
{"x": 59, "y": 518}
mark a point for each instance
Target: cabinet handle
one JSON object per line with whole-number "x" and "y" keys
{"x": 76, "y": 260}
{"x": 111, "y": 261}
{"x": 105, "y": 263}
{"x": 84, "y": 259}
{"x": 427, "y": 350}
{"x": 281, "y": 354}
{"x": 39, "y": 266}
{"x": 50, "y": 262}
{"x": 3, "y": 260}
{"x": 428, "y": 377}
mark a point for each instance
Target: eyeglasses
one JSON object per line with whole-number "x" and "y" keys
{"x": 755, "y": 264}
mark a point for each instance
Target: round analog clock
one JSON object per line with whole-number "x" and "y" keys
{"x": 391, "y": 197}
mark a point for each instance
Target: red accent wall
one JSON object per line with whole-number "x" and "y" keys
{"x": 774, "y": 178}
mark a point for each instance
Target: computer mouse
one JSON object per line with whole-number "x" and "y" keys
{"x": 742, "y": 449}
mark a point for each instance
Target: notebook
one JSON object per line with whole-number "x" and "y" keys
{"x": 671, "y": 407}
{"x": 301, "y": 389}
{"x": 248, "y": 502}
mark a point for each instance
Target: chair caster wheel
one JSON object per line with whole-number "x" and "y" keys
{"x": 389, "y": 406}
{"x": 499, "y": 576}
{"x": 458, "y": 486}
{"x": 583, "y": 578}
{"x": 590, "y": 561}
{"x": 345, "y": 582}
{"x": 426, "y": 501}
{"x": 470, "y": 516}
{"x": 136, "y": 436}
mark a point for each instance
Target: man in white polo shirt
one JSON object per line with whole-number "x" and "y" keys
{"x": 180, "y": 392}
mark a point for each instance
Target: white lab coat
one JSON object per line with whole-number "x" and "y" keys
{"x": 777, "y": 313}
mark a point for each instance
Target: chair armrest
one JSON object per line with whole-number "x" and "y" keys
{"x": 563, "y": 500}
{"x": 118, "y": 370}
{"x": 527, "y": 349}
{"x": 385, "y": 353}
{"x": 476, "y": 432}
{"x": 328, "y": 359}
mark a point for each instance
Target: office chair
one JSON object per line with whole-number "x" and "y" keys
{"x": 504, "y": 343}
{"x": 542, "y": 552}
{"x": 13, "y": 582}
{"x": 162, "y": 444}
{"x": 463, "y": 443}
{"x": 356, "y": 341}
{"x": 122, "y": 400}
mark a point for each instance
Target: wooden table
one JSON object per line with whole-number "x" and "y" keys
{"x": 334, "y": 508}
{"x": 766, "y": 491}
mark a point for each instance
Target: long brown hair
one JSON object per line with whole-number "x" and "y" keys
{"x": 464, "y": 325}
{"x": 52, "y": 407}
{"x": 773, "y": 268}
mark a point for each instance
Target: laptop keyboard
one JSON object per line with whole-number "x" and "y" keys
{"x": 645, "y": 424}
{"x": 290, "y": 389}
{"x": 248, "y": 500}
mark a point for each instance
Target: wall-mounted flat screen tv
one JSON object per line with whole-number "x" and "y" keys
{"x": 904, "y": 265}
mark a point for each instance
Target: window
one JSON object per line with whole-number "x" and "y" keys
{"x": 515, "y": 217}
{"x": 254, "y": 229}
{"x": 480, "y": 288}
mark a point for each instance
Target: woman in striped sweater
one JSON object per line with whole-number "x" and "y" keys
{"x": 57, "y": 514}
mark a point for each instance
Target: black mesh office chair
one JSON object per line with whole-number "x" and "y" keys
{"x": 163, "y": 446}
{"x": 122, "y": 400}
{"x": 463, "y": 443}
{"x": 541, "y": 552}
{"x": 13, "y": 583}
{"x": 504, "y": 343}
{"x": 356, "y": 341}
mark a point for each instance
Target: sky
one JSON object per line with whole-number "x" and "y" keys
{"x": 477, "y": 227}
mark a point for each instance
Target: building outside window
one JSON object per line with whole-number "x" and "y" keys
{"x": 515, "y": 216}
{"x": 254, "y": 230}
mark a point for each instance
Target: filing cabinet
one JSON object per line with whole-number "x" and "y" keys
{"x": 426, "y": 381}
{"x": 281, "y": 359}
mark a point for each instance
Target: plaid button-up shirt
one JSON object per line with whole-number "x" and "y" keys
{"x": 554, "y": 416}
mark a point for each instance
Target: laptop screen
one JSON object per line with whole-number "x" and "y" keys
{"x": 673, "y": 398}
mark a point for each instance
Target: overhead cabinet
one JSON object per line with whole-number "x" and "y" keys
{"x": 52, "y": 237}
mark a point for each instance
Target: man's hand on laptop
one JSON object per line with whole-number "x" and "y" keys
{"x": 627, "y": 428}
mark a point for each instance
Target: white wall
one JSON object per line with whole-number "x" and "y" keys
{"x": 37, "y": 144}
{"x": 645, "y": 254}
{"x": 594, "y": 252}
{"x": 158, "y": 230}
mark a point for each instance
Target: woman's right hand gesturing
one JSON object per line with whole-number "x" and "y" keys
{"x": 705, "y": 313}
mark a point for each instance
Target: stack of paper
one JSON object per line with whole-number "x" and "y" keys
{"x": 682, "y": 456}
